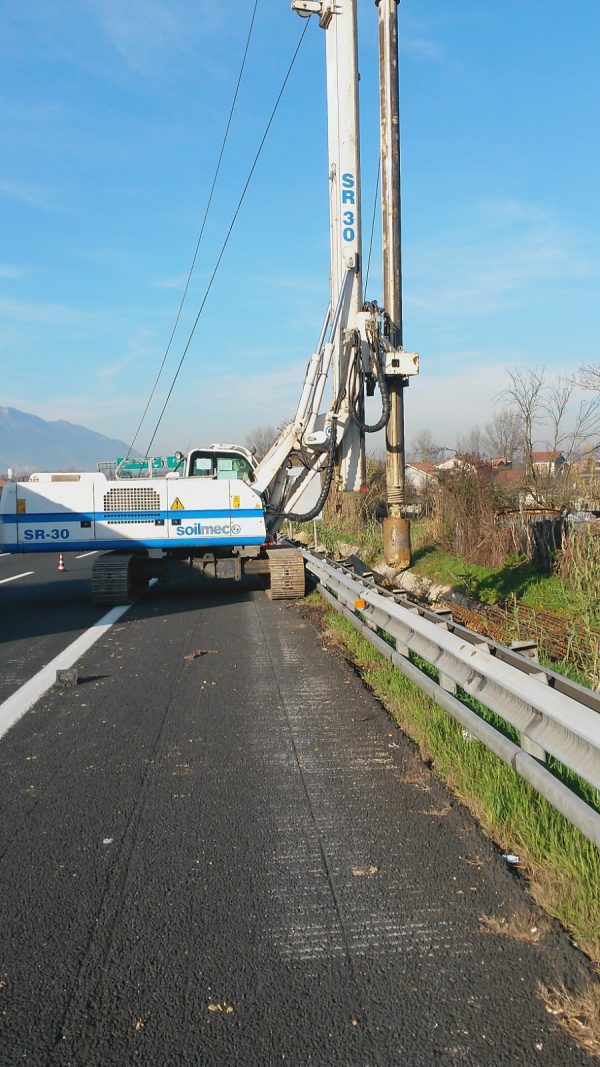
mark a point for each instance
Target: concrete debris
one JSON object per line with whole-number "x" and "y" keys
{"x": 511, "y": 858}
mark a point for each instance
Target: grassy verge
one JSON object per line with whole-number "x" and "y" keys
{"x": 562, "y": 866}
{"x": 575, "y": 652}
{"x": 518, "y": 582}
{"x": 369, "y": 541}
{"x": 517, "y": 578}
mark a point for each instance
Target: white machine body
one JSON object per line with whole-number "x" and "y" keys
{"x": 210, "y": 507}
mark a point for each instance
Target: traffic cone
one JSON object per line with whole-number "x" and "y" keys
{"x": 61, "y": 562}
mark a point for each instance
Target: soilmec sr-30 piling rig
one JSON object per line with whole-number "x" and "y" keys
{"x": 216, "y": 506}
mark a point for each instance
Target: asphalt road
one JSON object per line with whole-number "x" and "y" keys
{"x": 41, "y": 611}
{"x": 217, "y": 850}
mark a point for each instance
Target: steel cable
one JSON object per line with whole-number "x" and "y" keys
{"x": 229, "y": 231}
{"x": 203, "y": 226}
{"x": 372, "y": 229}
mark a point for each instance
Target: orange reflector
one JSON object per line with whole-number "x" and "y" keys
{"x": 360, "y": 604}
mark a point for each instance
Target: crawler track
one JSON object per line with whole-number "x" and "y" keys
{"x": 286, "y": 566}
{"x": 112, "y": 578}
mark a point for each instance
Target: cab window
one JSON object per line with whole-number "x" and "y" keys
{"x": 202, "y": 467}
{"x": 224, "y": 468}
{"x": 233, "y": 467}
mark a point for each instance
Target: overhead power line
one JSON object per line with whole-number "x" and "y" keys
{"x": 202, "y": 228}
{"x": 230, "y": 230}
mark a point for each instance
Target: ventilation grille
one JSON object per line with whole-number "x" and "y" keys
{"x": 125, "y": 501}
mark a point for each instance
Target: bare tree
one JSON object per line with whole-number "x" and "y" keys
{"x": 504, "y": 434}
{"x": 589, "y": 377}
{"x": 556, "y": 406}
{"x": 584, "y": 422}
{"x": 261, "y": 440}
{"x": 425, "y": 448}
{"x": 525, "y": 396}
{"x": 471, "y": 444}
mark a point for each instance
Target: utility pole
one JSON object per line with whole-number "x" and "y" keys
{"x": 396, "y": 528}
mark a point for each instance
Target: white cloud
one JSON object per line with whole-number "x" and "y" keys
{"x": 142, "y": 346}
{"x": 40, "y": 312}
{"x": 109, "y": 414}
{"x": 421, "y": 37}
{"x": 223, "y": 406}
{"x": 227, "y": 405}
{"x": 462, "y": 396}
{"x": 89, "y": 320}
{"x": 422, "y": 45}
{"x": 11, "y": 273}
{"x": 20, "y": 113}
{"x": 519, "y": 247}
{"x": 37, "y": 196}
{"x": 176, "y": 281}
{"x": 142, "y": 31}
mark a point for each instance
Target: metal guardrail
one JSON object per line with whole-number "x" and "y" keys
{"x": 549, "y": 719}
{"x": 521, "y": 654}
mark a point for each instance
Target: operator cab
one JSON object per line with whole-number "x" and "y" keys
{"x": 221, "y": 463}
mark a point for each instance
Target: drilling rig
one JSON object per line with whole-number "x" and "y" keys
{"x": 216, "y": 506}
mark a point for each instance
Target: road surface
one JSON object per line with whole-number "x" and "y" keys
{"x": 217, "y": 849}
{"x": 41, "y": 611}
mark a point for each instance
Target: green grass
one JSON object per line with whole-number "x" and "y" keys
{"x": 520, "y": 582}
{"x": 563, "y": 867}
{"x": 369, "y": 541}
{"x": 517, "y": 578}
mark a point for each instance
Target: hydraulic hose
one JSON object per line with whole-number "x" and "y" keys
{"x": 314, "y": 511}
{"x": 385, "y": 403}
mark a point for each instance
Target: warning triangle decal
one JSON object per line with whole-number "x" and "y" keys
{"x": 177, "y": 505}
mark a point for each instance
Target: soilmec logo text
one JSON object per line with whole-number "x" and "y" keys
{"x": 198, "y": 530}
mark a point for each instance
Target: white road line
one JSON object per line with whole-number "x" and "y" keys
{"x": 84, "y": 554}
{"x": 4, "y": 554}
{"x": 25, "y": 574}
{"x": 15, "y": 706}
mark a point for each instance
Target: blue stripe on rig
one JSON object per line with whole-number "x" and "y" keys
{"x": 124, "y": 544}
{"x": 127, "y": 516}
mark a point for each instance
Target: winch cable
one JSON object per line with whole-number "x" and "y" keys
{"x": 372, "y": 229}
{"x": 202, "y": 228}
{"x": 230, "y": 230}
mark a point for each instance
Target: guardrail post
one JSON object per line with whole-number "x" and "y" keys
{"x": 526, "y": 648}
{"x": 445, "y": 681}
{"x": 401, "y": 647}
{"x": 530, "y": 650}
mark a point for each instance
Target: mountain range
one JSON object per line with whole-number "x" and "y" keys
{"x": 29, "y": 443}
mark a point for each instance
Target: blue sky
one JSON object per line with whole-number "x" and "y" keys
{"x": 112, "y": 114}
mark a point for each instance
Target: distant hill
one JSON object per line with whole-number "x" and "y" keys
{"x": 29, "y": 443}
